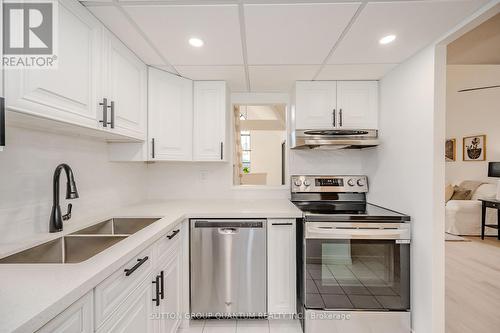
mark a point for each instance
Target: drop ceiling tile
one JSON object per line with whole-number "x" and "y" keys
{"x": 294, "y": 33}
{"x": 233, "y": 75}
{"x": 355, "y": 71}
{"x": 117, "y": 22}
{"x": 279, "y": 78}
{"x": 170, "y": 27}
{"x": 415, "y": 23}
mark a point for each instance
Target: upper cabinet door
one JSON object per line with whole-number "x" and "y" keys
{"x": 170, "y": 103}
{"x": 127, "y": 88}
{"x": 315, "y": 104}
{"x": 357, "y": 104}
{"x": 210, "y": 111}
{"x": 67, "y": 93}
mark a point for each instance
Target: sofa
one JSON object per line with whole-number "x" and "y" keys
{"x": 463, "y": 217}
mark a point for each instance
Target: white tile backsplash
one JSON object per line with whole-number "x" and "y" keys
{"x": 171, "y": 180}
{"x": 26, "y": 170}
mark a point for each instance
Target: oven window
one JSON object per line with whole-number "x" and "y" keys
{"x": 357, "y": 275}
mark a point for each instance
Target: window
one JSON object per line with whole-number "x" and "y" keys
{"x": 245, "y": 151}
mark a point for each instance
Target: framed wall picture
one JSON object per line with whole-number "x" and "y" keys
{"x": 474, "y": 148}
{"x": 451, "y": 150}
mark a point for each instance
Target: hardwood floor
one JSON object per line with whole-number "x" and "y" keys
{"x": 473, "y": 286}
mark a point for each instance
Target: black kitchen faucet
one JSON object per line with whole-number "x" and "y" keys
{"x": 56, "y": 217}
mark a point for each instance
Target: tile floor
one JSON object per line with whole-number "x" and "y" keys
{"x": 243, "y": 326}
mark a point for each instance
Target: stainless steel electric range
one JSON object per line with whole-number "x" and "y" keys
{"x": 353, "y": 258}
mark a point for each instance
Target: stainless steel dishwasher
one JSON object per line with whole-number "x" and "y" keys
{"x": 228, "y": 268}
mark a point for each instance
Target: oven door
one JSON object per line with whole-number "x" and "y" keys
{"x": 357, "y": 266}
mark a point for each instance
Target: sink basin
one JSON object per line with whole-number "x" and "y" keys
{"x": 80, "y": 245}
{"x": 117, "y": 226}
{"x": 68, "y": 249}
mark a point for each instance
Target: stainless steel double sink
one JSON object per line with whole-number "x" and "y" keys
{"x": 82, "y": 244}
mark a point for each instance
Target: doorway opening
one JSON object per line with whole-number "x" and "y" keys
{"x": 260, "y": 145}
{"x": 472, "y": 268}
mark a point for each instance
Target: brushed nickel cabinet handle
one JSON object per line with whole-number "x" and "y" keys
{"x": 104, "y": 105}
{"x": 112, "y": 108}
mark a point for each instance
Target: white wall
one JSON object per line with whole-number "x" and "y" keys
{"x": 209, "y": 180}
{"x": 173, "y": 180}
{"x": 402, "y": 177}
{"x": 327, "y": 162}
{"x": 26, "y": 171}
{"x": 266, "y": 154}
{"x": 472, "y": 113}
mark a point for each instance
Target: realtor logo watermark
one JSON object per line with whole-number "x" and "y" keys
{"x": 29, "y": 34}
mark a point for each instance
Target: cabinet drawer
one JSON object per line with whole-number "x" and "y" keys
{"x": 77, "y": 318}
{"x": 168, "y": 243}
{"x": 110, "y": 293}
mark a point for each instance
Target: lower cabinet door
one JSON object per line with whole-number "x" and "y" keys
{"x": 281, "y": 266}
{"x": 136, "y": 314}
{"x": 170, "y": 306}
{"x": 77, "y": 318}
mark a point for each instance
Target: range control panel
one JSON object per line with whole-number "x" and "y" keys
{"x": 337, "y": 184}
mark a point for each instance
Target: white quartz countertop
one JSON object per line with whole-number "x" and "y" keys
{"x": 32, "y": 294}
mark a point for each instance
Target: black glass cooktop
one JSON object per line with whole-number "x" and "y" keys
{"x": 330, "y": 207}
{"x": 346, "y": 210}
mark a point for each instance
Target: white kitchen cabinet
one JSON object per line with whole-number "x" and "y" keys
{"x": 170, "y": 100}
{"x": 210, "y": 112}
{"x": 126, "y": 87}
{"x": 357, "y": 104}
{"x": 336, "y": 105}
{"x": 187, "y": 121}
{"x": 77, "y": 318}
{"x": 170, "y": 305}
{"x": 281, "y": 266}
{"x": 117, "y": 287}
{"x": 315, "y": 104}
{"x": 136, "y": 314}
{"x": 68, "y": 93}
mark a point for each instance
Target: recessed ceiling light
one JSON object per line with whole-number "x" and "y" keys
{"x": 196, "y": 42}
{"x": 387, "y": 39}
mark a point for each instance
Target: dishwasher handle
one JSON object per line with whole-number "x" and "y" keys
{"x": 228, "y": 224}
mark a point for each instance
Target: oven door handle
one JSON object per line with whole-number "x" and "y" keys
{"x": 334, "y": 233}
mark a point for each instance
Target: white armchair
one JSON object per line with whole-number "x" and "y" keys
{"x": 463, "y": 217}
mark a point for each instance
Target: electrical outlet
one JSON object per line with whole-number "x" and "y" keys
{"x": 203, "y": 175}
